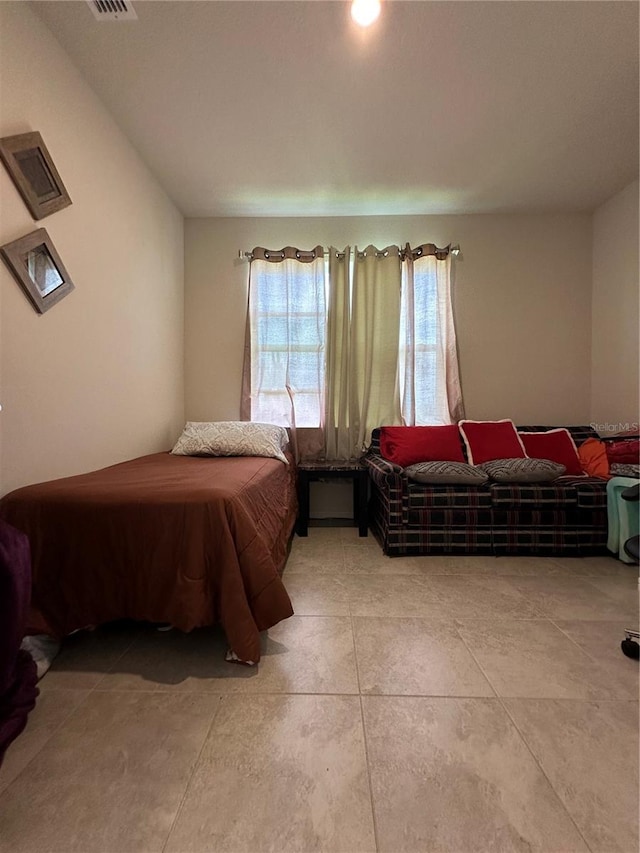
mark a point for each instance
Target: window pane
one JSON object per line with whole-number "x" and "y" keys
{"x": 420, "y": 342}
{"x": 426, "y": 304}
{"x": 288, "y": 316}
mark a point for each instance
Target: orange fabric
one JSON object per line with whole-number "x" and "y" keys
{"x": 593, "y": 458}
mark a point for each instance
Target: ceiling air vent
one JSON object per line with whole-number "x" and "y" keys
{"x": 112, "y": 10}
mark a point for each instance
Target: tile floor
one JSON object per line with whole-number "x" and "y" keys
{"x": 414, "y": 704}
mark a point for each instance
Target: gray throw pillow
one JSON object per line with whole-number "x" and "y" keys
{"x": 446, "y": 473}
{"x": 523, "y": 470}
{"x": 619, "y": 469}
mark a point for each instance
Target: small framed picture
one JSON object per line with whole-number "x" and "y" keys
{"x": 32, "y": 171}
{"x": 38, "y": 269}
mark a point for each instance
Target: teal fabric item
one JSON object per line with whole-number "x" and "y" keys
{"x": 623, "y": 516}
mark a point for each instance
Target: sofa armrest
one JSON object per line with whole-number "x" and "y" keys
{"x": 392, "y": 483}
{"x": 382, "y": 472}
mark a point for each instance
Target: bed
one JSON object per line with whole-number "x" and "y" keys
{"x": 183, "y": 540}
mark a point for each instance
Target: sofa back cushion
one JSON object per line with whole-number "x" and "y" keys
{"x": 556, "y": 445}
{"x": 487, "y": 440}
{"x": 407, "y": 445}
{"x": 579, "y": 433}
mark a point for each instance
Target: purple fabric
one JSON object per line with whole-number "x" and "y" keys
{"x": 18, "y": 675}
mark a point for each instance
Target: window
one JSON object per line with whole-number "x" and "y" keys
{"x": 422, "y": 376}
{"x": 383, "y": 325}
{"x": 288, "y": 336}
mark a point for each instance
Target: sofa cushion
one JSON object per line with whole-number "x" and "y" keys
{"x": 591, "y": 492}
{"x": 407, "y": 445}
{"x": 452, "y": 518}
{"x": 542, "y": 495}
{"x": 422, "y": 496}
{"x": 425, "y": 538}
{"x": 487, "y": 440}
{"x": 446, "y": 473}
{"x": 554, "y": 444}
{"x": 522, "y": 470}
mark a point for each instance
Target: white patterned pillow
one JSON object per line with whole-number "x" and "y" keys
{"x": 232, "y": 438}
{"x": 446, "y": 473}
{"x": 523, "y": 470}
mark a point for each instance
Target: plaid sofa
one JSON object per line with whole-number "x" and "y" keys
{"x": 566, "y": 517}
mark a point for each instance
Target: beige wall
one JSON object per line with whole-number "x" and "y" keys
{"x": 99, "y": 378}
{"x": 615, "y": 348}
{"x": 522, "y": 302}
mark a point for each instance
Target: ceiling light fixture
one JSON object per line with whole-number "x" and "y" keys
{"x": 365, "y": 12}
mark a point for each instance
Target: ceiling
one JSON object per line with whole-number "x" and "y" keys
{"x": 260, "y": 108}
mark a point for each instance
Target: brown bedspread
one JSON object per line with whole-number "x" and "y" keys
{"x": 178, "y": 539}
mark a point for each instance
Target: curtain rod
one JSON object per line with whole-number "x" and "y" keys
{"x": 454, "y": 250}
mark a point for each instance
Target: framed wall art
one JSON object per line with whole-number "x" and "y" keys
{"x": 38, "y": 269}
{"x": 32, "y": 171}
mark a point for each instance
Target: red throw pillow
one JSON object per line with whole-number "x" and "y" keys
{"x": 556, "y": 445}
{"x": 408, "y": 445}
{"x": 625, "y": 452}
{"x": 488, "y": 440}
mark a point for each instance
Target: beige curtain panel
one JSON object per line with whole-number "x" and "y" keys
{"x": 375, "y": 334}
{"x": 336, "y": 439}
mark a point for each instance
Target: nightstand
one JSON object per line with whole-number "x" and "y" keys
{"x": 356, "y": 471}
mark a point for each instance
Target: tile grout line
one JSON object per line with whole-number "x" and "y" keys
{"x": 51, "y": 736}
{"x": 542, "y": 770}
{"x": 125, "y": 651}
{"x": 192, "y": 774}
{"x": 456, "y": 628}
{"x": 368, "y": 769}
{"x": 89, "y": 692}
{"x": 591, "y": 658}
{"x": 364, "y": 736}
{"x": 359, "y": 694}
{"x": 525, "y": 742}
{"x": 634, "y": 587}
{"x": 364, "y": 731}
{"x": 259, "y": 694}
{"x": 447, "y": 618}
